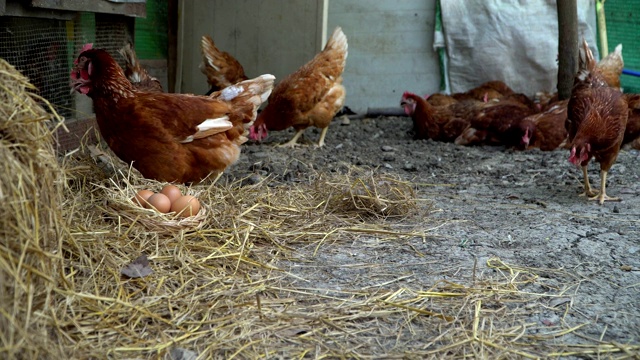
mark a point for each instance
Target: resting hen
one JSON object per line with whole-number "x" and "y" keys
{"x": 440, "y": 123}
{"x": 311, "y": 96}
{"x": 500, "y": 122}
{"x": 548, "y": 128}
{"x": 487, "y": 91}
{"x": 168, "y": 137}
{"x": 220, "y": 68}
{"x": 137, "y": 75}
{"x": 545, "y": 100}
{"x": 438, "y": 99}
{"x": 596, "y": 121}
{"x": 632, "y": 130}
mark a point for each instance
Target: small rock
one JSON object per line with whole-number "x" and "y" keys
{"x": 634, "y": 249}
{"x": 388, "y": 166}
{"x": 339, "y": 146}
{"x": 615, "y": 209}
{"x": 260, "y": 167}
{"x": 409, "y": 167}
{"x": 252, "y": 180}
{"x": 261, "y": 154}
{"x": 344, "y": 120}
{"x": 389, "y": 157}
{"x": 550, "y": 320}
{"x": 181, "y": 354}
{"x": 387, "y": 148}
{"x": 288, "y": 176}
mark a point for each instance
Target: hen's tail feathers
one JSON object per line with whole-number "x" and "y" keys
{"x": 220, "y": 68}
{"x": 132, "y": 70}
{"x": 611, "y": 66}
{"x": 332, "y": 60}
{"x": 136, "y": 74}
{"x": 252, "y": 92}
{"x": 614, "y": 58}
{"x": 338, "y": 42}
{"x": 588, "y": 74}
{"x": 586, "y": 62}
{"x": 210, "y": 54}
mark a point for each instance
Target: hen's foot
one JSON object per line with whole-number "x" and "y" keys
{"x": 288, "y": 144}
{"x": 603, "y": 197}
{"x": 589, "y": 193}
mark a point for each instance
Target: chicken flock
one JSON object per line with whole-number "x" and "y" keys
{"x": 185, "y": 138}
{"x": 594, "y": 123}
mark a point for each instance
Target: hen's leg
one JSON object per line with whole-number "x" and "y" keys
{"x": 588, "y": 191}
{"x": 602, "y": 197}
{"x": 293, "y": 142}
{"x": 322, "y": 135}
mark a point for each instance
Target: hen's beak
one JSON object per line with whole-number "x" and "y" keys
{"x": 78, "y": 83}
{"x": 526, "y": 137}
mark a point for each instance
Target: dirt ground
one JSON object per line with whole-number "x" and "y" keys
{"x": 488, "y": 202}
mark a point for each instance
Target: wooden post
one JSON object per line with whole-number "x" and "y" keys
{"x": 567, "y": 46}
{"x": 172, "y": 61}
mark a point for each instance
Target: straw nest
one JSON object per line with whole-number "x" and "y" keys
{"x": 85, "y": 274}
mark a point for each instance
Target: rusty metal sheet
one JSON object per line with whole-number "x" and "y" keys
{"x": 137, "y": 9}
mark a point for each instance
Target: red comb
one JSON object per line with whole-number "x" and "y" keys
{"x": 407, "y": 93}
{"x": 86, "y": 47}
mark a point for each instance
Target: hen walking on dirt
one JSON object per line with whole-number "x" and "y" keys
{"x": 596, "y": 121}
{"x": 311, "y": 96}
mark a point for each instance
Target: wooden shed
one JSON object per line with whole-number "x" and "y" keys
{"x": 393, "y": 46}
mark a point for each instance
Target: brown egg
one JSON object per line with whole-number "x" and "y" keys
{"x": 186, "y": 206}
{"x": 172, "y": 192}
{"x": 142, "y": 197}
{"x": 160, "y": 202}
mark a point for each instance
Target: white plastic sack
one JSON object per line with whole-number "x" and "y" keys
{"x": 509, "y": 40}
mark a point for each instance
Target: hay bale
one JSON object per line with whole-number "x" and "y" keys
{"x": 31, "y": 224}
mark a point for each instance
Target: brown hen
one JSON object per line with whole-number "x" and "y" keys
{"x": 487, "y": 91}
{"x": 632, "y": 130}
{"x": 311, "y": 96}
{"x": 220, "y": 68}
{"x": 548, "y": 128}
{"x": 610, "y": 67}
{"x": 440, "y": 123}
{"x": 596, "y": 121}
{"x": 168, "y": 137}
{"x": 499, "y": 123}
{"x": 438, "y": 99}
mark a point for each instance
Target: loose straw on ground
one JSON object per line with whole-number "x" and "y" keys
{"x": 221, "y": 284}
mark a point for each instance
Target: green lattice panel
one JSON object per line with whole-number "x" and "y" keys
{"x": 623, "y": 27}
{"x": 151, "y": 33}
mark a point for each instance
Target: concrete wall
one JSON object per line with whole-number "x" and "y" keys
{"x": 266, "y": 36}
{"x": 390, "y": 50}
